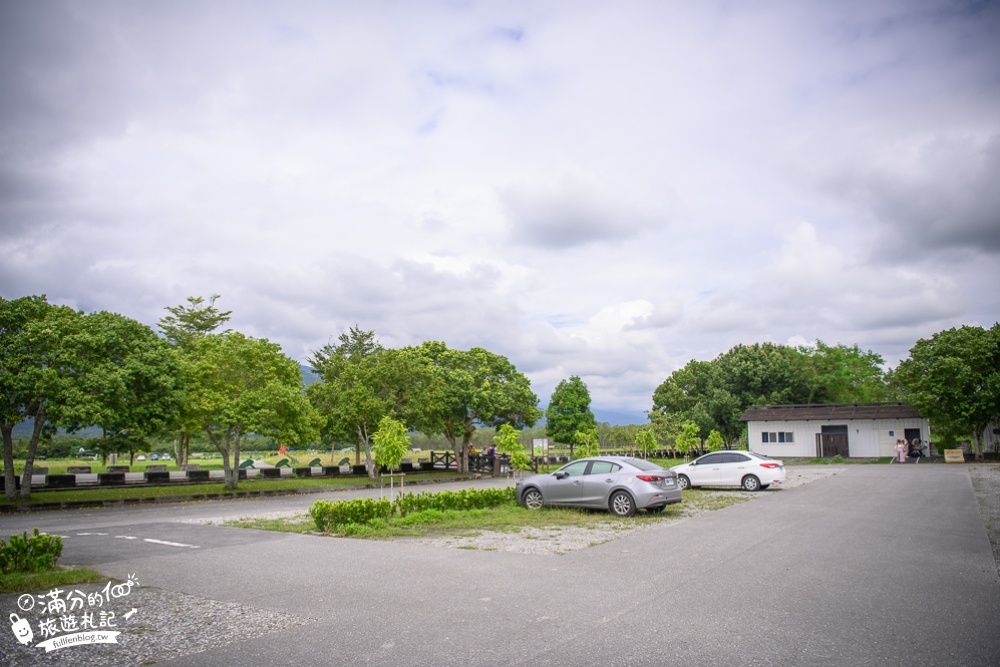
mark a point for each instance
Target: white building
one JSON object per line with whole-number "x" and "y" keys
{"x": 855, "y": 430}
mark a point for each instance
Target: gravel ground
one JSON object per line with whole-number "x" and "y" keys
{"x": 164, "y": 626}
{"x": 562, "y": 540}
{"x": 986, "y": 485}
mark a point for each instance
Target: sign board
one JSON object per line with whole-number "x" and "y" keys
{"x": 954, "y": 456}
{"x": 540, "y": 446}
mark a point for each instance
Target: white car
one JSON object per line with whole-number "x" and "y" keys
{"x": 752, "y": 472}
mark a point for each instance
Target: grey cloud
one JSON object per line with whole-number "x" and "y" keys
{"x": 945, "y": 195}
{"x": 569, "y": 215}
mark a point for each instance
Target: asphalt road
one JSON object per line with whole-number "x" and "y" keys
{"x": 878, "y": 565}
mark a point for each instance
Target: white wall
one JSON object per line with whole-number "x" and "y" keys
{"x": 866, "y": 438}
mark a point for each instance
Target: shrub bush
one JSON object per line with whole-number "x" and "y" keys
{"x": 464, "y": 499}
{"x": 329, "y": 515}
{"x": 29, "y": 554}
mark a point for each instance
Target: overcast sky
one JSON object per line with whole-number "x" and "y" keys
{"x": 602, "y": 189}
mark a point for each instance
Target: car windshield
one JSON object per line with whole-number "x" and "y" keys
{"x": 642, "y": 465}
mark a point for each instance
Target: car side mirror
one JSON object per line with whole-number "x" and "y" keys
{"x": 560, "y": 474}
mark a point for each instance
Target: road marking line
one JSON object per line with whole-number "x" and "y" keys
{"x": 169, "y": 544}
{"x": 83, "y": 534}
{"x": 126, "y": 537}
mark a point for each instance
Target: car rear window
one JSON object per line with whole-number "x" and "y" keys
{"x": 642, "y": 465}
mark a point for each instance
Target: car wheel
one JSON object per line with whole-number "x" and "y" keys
{"x": 621, "y": 504}
{"x": 751, "y": 483}
{"x": 683, "y": 482}
{"x": 532, "y": 499}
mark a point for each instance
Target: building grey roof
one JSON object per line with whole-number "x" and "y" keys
{"x": 829, "y": 412}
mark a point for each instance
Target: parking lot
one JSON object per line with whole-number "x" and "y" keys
{"x": 871, "y": 565}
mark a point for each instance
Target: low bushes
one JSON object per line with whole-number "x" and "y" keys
{"x": 330, "y": 516}
{"x": 29, "y": 554}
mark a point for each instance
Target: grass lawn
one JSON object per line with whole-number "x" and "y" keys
{"x": 178, "y": 489}
{"x": 27, "y": 582}
{"x": 506, "y": 518}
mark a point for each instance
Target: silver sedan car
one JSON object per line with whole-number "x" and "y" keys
{"x": 616, "y": 483}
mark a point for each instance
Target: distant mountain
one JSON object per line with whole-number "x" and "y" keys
{"x": 612, "y": 417}
{"x": 619, "y": 417}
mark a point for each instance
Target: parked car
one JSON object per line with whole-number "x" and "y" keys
{"x": 619, "y": 484}
{"x": 154, "y": 457}
{"x": 141, "y": 457}
{"x": 752, "y": 472}
{"x": 165, "y": 457}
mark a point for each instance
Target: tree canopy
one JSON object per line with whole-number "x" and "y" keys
{"x": 953, "y": 379}
{"x": 473, "y": 387}
{"x": 185, "y": 324}
{"x": 239, "y": 385}
{"x": 569, "y": 411}
{"x": 713, "y": 395}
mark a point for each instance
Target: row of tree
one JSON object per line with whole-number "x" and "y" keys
{"x": 430, "y": 388}
{"x": 63, "y": 368}
{"x": 952, "y": 378}
{"x": 66, "y": 369}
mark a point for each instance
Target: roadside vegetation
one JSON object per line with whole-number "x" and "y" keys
{"x": 29, "y": 563}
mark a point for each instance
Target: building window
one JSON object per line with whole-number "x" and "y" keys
{"x": 780, "y": 436}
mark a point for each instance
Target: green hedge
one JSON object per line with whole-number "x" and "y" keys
{"x": 29, "y": 554}
{"x": 329, "y": 515}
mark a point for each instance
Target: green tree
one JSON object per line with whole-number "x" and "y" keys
{"x": 841, "y": 373}
{"x": 239, "y": 386}
{"x": 714, "y": 442}
{"x": 360, "y": 383}
{"x": 469, "y": 388}
{"x": 645, "y": 440}
{"x": 128, "y": 382}
{"x": 390, "y": 443}
{"x": 186, "y": 324}
{"x": 508, "y": 441}
{"x": 953, "y": 379}
{"x": 688, "y": 439}
{"x": 569, "y": 411}
{"x": 182, "y": 328}
{"x": 715, "y": 394}
{"x": 585, "y": 444}
{"x": 39, "y": 369}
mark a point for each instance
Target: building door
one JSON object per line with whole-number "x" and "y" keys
{"x": 832, "y": 442}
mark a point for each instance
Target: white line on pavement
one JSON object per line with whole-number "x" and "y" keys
{"x": 169, "y": 544}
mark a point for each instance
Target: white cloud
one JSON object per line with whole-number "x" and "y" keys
{"x": 591, "y": 189}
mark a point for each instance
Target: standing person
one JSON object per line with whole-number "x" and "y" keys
{"x": 901, "y": 451}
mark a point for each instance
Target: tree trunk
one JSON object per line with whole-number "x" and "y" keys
{"x": 236, "y": 461}
{"x": 10, "y": 479}
{"x": 977, "y": 439}
{"x": 364, "y": 440}
{"x": 29, "y": 461}
{"x": 182, "y": 445}
{"x": 223, "y": 449}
